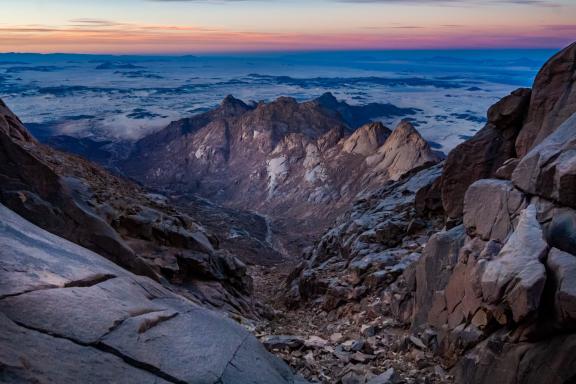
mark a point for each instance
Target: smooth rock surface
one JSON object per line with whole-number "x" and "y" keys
{"x": 68, "y": 314}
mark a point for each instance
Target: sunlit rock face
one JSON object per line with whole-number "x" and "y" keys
{"x": 300, "y": 163}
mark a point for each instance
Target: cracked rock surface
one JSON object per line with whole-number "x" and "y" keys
{"x": 68, "y": 315}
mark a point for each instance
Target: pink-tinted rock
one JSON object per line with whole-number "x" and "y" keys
{"x": 549, "y": 169}
{"x": 563, "y": 267}
{"x": 515, "y": 279}
{"x": 481, "y": 156}
{"x": 491, "y": 207}
{"x": 553, "y": 100}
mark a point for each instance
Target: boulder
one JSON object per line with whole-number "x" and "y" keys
{"x": 549, "y": 169}
{"x": 563, "y": 268}
{"x": 550, "y": 361}
{"x": 434, "y": 269}
{"x": 482, "y": 155}
{"x": 490, "y": 209}
{"x": 69, "y": 315}
{"x": 388, "y": 377}
{"x": 553, "y": 100}
{"x": 516, "y": 277}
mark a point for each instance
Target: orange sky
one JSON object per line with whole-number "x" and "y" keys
{"x": 156, "y": 26}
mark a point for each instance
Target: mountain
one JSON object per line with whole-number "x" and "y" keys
{"x": 477, "y": 257}
{"x": 298, "y": 163}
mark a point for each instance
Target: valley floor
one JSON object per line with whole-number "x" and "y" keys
{"x": 349, "y": 346}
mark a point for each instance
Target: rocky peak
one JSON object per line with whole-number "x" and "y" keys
{"x": 232, "y": 106}
{"x": 367, "y": 139}
{"x": 404, "y": 150}
{"x": 405, "y": 130}
{"x": 297, "y": 161}
{"x": 327, "y": 100}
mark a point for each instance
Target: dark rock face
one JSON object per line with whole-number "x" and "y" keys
{"x": 68, "y": 315}
{"x": 504, "y": 299}
{"x": 141, "y": 232}
{"x": 481, "y": 156}
{"x": 356, "y": 115}
{"x": 553, "y": 100}
{"x": 300, "y": 163}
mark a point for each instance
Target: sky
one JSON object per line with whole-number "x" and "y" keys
{"x": 214, "y": 26}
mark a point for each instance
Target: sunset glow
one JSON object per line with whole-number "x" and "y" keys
{"x": 179, "y": 27}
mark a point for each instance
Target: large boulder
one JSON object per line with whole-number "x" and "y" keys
{"x": 549, "y": 169}
{"x": 517, "y": 275}
{"x": 497, "y": 360}
{"x": 563, "y": 268}
{"x": 490, "y": 208}
{"x": 481, "y": 156}
{"x": 434, "y": 270}
{"x": 68, "y": 315}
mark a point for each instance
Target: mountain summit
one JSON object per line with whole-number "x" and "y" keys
{"x": 300, "y": 162}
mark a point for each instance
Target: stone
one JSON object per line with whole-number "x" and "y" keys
{"x": 353, "y": 345}
{"x": 549, "y": 169}
{"x": 336, "y": 338}
{"x": 417, "y": 342}
{"x": 563, "y": 267}
{"x": 517, "y": 276}
{"x": 561, "y": 231}
{"x": 490, "y": 209}
{"x": 360, "y": 357}
{"x": 352, "y": 378}
{"x": 282, "y": 341}
{"x": 315, "y": 342}
{"x": 388, "y": 377}
{"x": 434, "y": 269}
{"x": 507, "y": 169}
{"x": 67, "y": 314}
{"x": 553, "y": 100}
{"x": 367, "y": 330}
{"x": 482, "y": 155}
{"x": 550, "y": 361}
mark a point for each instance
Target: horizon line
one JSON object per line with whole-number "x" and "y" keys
{"x": 281, "y": 51}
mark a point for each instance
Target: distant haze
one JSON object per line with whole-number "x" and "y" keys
{"x": 196, "y": 26}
